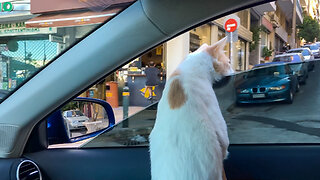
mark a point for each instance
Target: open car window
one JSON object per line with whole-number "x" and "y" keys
{"x": 261, "y": 103}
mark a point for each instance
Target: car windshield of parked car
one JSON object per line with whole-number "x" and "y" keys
{"x": 33, "y": 33}
{"x": 303, "y": 52}
{"x": 283, "y": 59}
{"x": 267, "y": 71}
{"x": 313, "y": 47}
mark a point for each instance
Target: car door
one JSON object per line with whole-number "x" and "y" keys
{"x": 23, "y": 114}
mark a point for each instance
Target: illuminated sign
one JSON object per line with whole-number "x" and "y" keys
{"x": 6, "y": 6}
{"x": 19, "y": 28}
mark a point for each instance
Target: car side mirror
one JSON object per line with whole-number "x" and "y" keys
{"x": 90, "y": 117}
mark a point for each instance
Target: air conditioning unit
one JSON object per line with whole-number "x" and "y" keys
{"x": 275, "y": 20}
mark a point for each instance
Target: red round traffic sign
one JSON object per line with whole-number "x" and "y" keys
{"x": 230, "y": 25}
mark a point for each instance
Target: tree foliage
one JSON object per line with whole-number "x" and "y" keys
{"x": 309, "y": 29}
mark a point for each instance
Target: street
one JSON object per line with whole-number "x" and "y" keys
{"x": 278, "y": 122}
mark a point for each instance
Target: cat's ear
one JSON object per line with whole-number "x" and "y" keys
{"x": 202, "y": 48}
{"x": 218, "y": 46}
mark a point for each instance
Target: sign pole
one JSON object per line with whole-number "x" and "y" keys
{"x": 231, "y": 24}
{"x": 231, "y": 50}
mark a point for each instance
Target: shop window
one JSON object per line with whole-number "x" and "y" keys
{"x": 200, "y": 36}
{"x": 244, "y": 15}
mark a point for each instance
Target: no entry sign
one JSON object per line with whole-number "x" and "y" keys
{"x": 231, "y": 25}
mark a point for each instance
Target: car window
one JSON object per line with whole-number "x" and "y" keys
{"x": 294, "y": 51}
{"x": 305, "y": 53}
{"x": 261, "y": 102}
{"x": 314, "y": 47}
{"x": 37, "y": 34}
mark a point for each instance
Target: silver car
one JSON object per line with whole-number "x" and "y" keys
{"x": 306, "y": 53}
{"x": 75, "y": 119}
{"x": 314, "y": 49}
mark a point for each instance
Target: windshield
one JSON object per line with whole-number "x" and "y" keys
{"x": 312, "y": 47}
{"x": 267, "y": 71}
{"x": 41, "y": 31}
{"x": 304, "y": 52}
{"x": 283, "y": 59}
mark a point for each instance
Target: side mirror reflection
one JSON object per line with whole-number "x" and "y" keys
{"x": 79, "y": 119}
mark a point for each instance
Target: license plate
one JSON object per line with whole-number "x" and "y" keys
{"x": 258, "y": 95}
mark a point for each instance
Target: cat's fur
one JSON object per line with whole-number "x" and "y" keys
{"x": 189, "y": 140}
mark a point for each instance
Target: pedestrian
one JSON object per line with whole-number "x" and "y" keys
{"x": 152, "y": 78}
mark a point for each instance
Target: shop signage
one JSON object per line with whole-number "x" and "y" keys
{"x": 19, "y": 28}
{"x": 6, "y": 6}
{"x": 45, "y": 6}
{"x": 57, "y": 39}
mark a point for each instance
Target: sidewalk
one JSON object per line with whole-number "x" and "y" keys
{"x": 118, "y": 112}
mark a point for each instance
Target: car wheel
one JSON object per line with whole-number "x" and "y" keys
{"x": 298, "y": 87}
{"x": 290, "y": 98}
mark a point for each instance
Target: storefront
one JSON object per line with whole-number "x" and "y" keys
{"x": 72, "y": 25}
{"x": 23, "y": 50}
{"x": 267, "y": 40}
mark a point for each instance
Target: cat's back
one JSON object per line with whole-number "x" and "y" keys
{"x": 183, "y": 138}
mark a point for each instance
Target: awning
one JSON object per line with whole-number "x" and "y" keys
{"x": 71, "y": 19}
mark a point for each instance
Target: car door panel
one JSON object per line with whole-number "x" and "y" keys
{"x": 288, "y": 161}
{"x": 94, "y": 164}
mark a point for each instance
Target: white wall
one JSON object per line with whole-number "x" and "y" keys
{"x": 176, "y": 50}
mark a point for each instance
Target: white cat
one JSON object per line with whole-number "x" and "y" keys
{"x": 189, "y": 140}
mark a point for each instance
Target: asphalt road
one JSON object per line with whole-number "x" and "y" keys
{"x": 279, "y": 122}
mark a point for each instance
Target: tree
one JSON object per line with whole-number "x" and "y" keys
{"x": 309, "y": 29}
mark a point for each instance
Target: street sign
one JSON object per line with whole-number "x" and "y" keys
{"x": 231, "y": 25}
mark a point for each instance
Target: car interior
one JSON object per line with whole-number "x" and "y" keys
{"x": 267, "y": 141}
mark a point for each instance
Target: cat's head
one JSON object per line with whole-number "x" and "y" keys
{"x": 221, "y": 63}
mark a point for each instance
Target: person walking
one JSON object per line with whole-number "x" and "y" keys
{"x": 152, "y": 78}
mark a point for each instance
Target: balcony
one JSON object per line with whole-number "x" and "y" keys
{"x": 268, "y": 7}
{"x": 287, "y": 7}
{"x": 275, "y": 21}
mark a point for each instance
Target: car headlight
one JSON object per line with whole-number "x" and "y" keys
{"x": 243, "y": 91}
{"x": 277, "y": 88}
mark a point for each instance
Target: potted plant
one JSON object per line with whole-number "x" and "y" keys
{"x": 266, "y": 53}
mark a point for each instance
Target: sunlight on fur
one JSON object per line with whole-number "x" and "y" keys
{"x": 189, "y": 140}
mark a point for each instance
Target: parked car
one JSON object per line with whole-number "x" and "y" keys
{"x": 75, "y": 119}
{"x": 314, "y": 49}
{"x": 306, "y": 53}
{"x": 297, "y": 64}
{"x": 269, "y": 82}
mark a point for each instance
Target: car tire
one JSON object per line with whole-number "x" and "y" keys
{"x": 298, "y": 87}
{"x": 290, "y": 98}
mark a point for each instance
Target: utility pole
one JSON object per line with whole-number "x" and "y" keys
{"x": 294, "y": 19}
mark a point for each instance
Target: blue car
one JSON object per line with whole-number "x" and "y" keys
{"x": 269, "y": 82}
